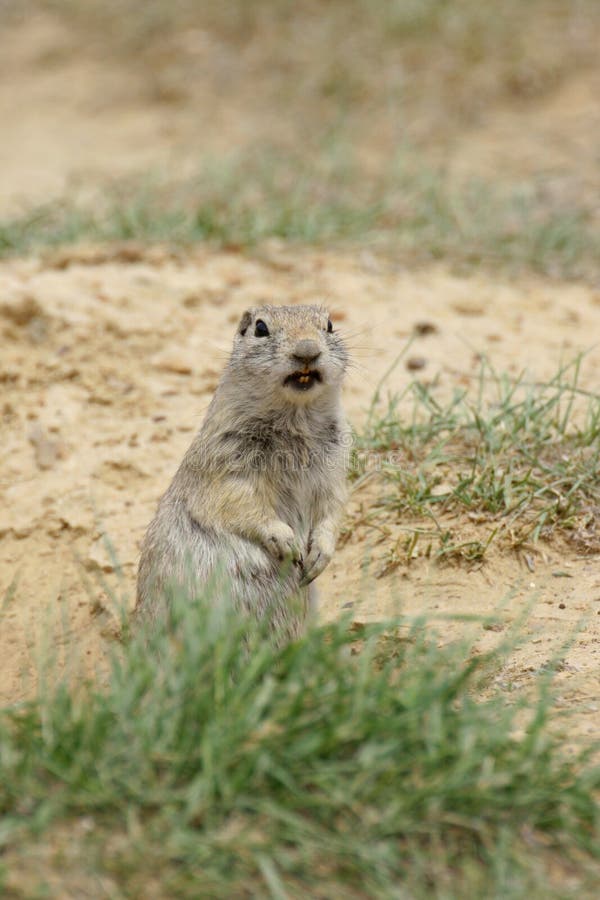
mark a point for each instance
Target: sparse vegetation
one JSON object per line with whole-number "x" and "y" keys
{"x": 413, "y": 213}
{"x": 348, "y": 52}
{"x": 364, "y": 760}
{"x": 421, "y": 70}
{"x": 519, "y": 461}
{"x": 224, "y": 772}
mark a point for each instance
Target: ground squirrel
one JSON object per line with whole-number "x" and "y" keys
{"x": 255, "y": 504}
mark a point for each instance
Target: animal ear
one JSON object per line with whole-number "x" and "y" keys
{"x": 245, "y": 321}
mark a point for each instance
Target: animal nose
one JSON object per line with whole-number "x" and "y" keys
{"x": 306, "y": 352}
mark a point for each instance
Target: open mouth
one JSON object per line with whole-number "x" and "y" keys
{"x": 303, "y": 381}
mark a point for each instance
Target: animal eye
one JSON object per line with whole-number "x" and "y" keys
{"x": 260, "y": 329}
{"x": 329, "y": 326}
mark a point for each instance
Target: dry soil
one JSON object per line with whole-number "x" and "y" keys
{"x": 108, "y": 358}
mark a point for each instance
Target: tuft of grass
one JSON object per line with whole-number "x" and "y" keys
{"x": 519, "y": 462}
{"x": 412, "y": 212}
{"x": 233, "y": 203}
{"x": 214, "y": 764}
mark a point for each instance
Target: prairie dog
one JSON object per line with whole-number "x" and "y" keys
{"x": 254, "y": 507}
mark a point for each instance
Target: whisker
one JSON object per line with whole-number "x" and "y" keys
{"x": 350, "y": 335}
{"x": 371, "y": 351}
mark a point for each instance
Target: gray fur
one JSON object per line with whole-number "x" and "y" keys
{"x": 254, "y": 507}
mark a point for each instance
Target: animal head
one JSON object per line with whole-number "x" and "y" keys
{"x": 293, "y": 352}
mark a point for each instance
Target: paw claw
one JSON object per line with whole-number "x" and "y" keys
{"x": 316, "y": 561}
{"x": 281, "y": 543}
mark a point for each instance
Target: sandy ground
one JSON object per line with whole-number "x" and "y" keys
{"x": 109, "y": 358}
{"x": 108, "y": 363}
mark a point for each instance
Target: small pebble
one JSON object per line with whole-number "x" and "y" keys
{"x": 562, "y": 606}
{"x": 413, "y": 363}
{"x": 423, "y": 328}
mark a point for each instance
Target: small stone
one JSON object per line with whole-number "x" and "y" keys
{"x": 562, "y": 606}
{"x": 414, "y": 363}
{"x": 424, "y": 328}
{"x": 468, "y": 307}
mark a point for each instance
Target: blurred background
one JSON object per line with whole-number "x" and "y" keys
{"x": 447, "y": 129}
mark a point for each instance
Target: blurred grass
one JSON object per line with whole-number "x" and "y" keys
{"x": 206, "y": 770}
{"x": 363, "y": 50}
{"x": 414, "y": 213}
{"x": 371, "y": 77}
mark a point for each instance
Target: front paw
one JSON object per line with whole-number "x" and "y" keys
{"x": 321, "y": 549}
{"x": 280, "y": 542}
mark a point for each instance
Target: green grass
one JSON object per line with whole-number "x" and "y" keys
{"x": 518, "y": 461}
{"x": 213, "y": 765}
{"x": 413, "y": 213}
{"x": 229, "y": 204}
